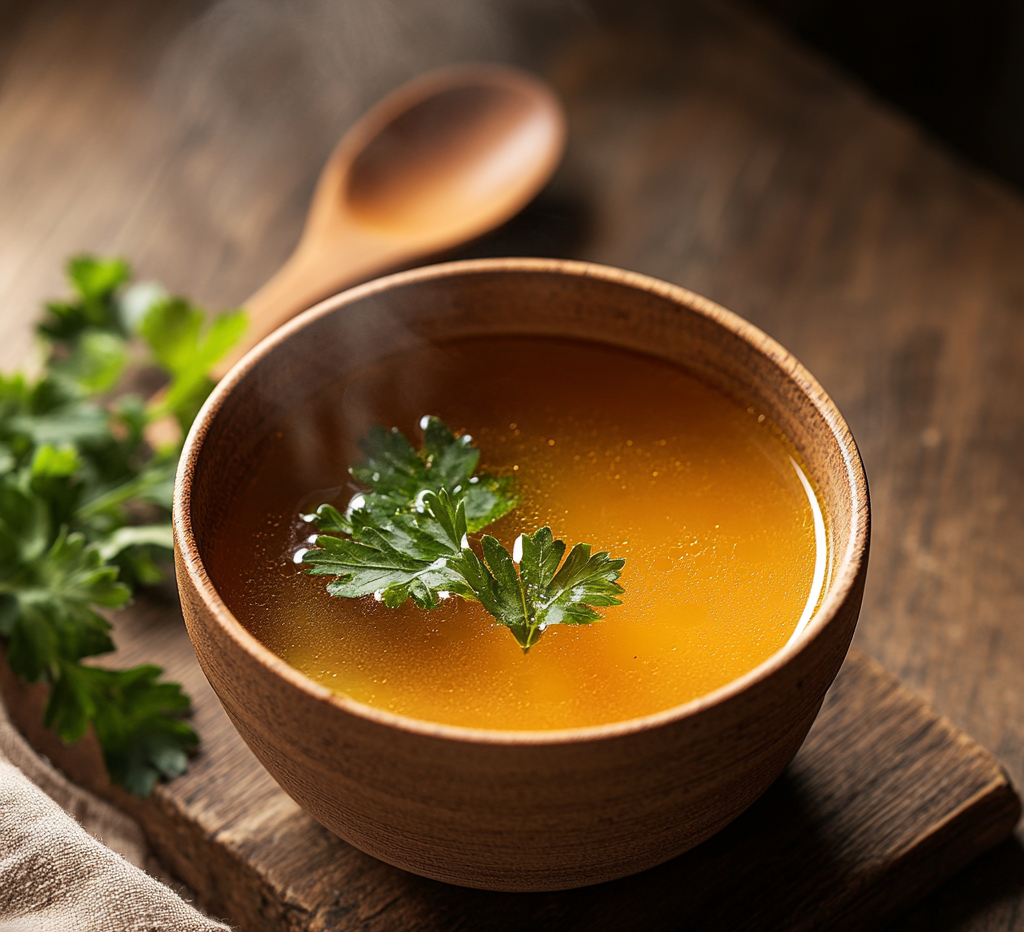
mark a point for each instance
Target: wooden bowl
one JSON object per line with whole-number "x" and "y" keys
{"x": 518, "y": 810}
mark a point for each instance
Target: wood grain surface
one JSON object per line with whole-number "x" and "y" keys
{"x": 885, "y": 800}
{"x": 706, "y": 149}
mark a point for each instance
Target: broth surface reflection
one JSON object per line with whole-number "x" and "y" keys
{"x": 705, "y": 499}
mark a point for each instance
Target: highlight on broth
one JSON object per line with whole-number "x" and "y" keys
{"x": 706, "y": 501}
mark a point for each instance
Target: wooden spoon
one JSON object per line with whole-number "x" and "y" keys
{"x": 446, "y": 157}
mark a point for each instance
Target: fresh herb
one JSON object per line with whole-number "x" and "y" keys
{"x": 397, "y": 476}
{"x": 187, "y": 350}
{"x": 85, "y": 507}
{"x": 407, "y": 537}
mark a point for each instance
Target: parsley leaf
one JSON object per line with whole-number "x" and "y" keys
{"x": 96, "y": 283}
{"x": 85, "y": 508}
{"x": 175, "y": 332}
{"x": 136, "y": 719}
{"x": 540, "y": 594}
{"x": 403, "y": 558}
{"x": 397, "y": 476}
{"x": 49, "y": 615}
{"x": 408, "y": 539}
{"x": 95, "y": 364}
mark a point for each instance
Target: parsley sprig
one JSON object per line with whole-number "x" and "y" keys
{"x": 85, "y": 506}
{"x": 407, "y": 537}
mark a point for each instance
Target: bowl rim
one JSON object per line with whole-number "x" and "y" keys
{"x": 844, "y": 578}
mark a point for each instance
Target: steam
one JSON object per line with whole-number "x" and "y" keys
{"x": 278, "y": 82}
{"x": 337, "y": 57}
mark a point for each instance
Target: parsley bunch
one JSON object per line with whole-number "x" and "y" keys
{"x": 408, "y": 538}
{"x": 85, "y": 506}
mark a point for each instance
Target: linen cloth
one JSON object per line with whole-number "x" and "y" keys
{"x": 57, "y": 877}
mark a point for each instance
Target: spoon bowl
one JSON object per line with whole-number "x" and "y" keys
{"x": 441, "y": 160}
{"x": 445, "y": 167}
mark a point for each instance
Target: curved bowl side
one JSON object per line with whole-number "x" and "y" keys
{"x": 520, "y": 817}
{"x": 519, "y": 810}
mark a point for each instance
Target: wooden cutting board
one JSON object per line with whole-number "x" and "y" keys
{"x": 885, "y": 800}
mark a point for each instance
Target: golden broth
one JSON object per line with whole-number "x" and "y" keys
{"x": 722, "y": 536}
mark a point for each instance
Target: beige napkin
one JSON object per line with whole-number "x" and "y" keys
{"x": 69, "y": 861}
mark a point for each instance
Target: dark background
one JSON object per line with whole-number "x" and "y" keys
{"x": 956, "y": 66}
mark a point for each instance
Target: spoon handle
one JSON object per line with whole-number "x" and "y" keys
{"x": 439, "y": 161}
{"x": 318, "y": 267}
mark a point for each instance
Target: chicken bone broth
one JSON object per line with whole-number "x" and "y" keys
{"x": 722, "y": 535}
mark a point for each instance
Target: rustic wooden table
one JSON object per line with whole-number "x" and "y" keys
{"x": 706, "y": 149}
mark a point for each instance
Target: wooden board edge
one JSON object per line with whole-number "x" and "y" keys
{"x": 228, "y": 887}
{"x": 980, "y": 823}
{"x": 932, "y": 859}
